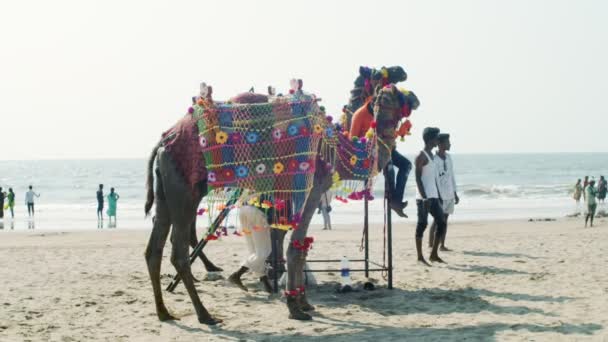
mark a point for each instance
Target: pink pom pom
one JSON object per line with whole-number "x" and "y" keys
{"x": 190, "y": 110}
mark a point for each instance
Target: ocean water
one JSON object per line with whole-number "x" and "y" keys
{"x": 504, "y": 186}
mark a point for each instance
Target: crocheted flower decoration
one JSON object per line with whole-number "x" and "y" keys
{"x": 228, "y": 175}
{"x": 242, "y": 171}
{"x": 236, "y": 138}
{"x": 277, "y": 134}
{"x": 304, "y": 166}
{"x": 318, "y": 129}
{"x": 304, "y": 131}
{"x": 278, "y": 168}
{"x": 292, "y": 130}
{"x": 329, "y": 132}
{"x": 353, "y": 160}
{"x": 202, "y": 141}
{"x": 366, "y": 164}
{"x": 221, "y": 137}
{"x": 292, "y": 165}
{"x": 260, "y": 169}
{"x": 252, "y": 137}
{"x": 211, "y": 177}
{"x": 279, "y": 204}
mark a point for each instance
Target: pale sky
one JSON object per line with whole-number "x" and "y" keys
{"x": 103, "y": 79}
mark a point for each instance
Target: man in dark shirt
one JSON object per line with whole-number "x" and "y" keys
{"x": 2, "y": 196}
{"x": 100, "y": 202}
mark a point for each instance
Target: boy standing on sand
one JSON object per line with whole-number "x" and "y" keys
{"x": 446, "y": 184}
{"x": 591, "y": 193}
{"x": 100, "y": 202}
{"x": 29, "y": 201}
{"x": 427, "y": 198}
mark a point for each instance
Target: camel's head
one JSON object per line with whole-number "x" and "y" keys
{"x": 391, "y": 105}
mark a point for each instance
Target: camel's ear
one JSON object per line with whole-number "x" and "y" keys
{"x": 365, "y": 72}
{"x": 396, "y": 74}
{"x": 272, "y": 91}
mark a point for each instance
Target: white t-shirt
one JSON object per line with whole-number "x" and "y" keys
{"x": 446, "y": 183}
{"x": 29, "y": 196}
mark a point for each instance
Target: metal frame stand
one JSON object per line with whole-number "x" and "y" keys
{"x": 366, "y": 261}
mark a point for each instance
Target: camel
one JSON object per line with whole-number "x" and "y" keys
{"x": 177, "y": 196}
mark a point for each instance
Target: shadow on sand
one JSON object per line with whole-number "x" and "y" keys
{"x": 500, "y": 255}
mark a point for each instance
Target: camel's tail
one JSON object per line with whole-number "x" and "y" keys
{"x": 150, "y": 180}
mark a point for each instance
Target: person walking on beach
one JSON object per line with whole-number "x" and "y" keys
{"x": 11, "y": 201}
{"x": 255, "y": 228}
{"x": 427, "y": 198}
{"x": 591, "y": 193}
{"x": 112, "y": 199}
{"x": 325, "y": 209}
{"x": 602, "y": 188}
{"x": 29, "y": 201}
{"x": 446, "y": 184}
{"x": 2, "y": 197}
{"x": 100, "y": 202}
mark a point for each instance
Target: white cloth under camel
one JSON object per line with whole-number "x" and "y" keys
{"x": 256, "y": 231}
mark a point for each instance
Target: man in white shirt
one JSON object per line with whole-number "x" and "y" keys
{"x": 446, "y": 185}
{"x": 29, "y": 201}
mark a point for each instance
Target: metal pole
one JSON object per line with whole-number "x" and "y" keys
{"x": 366, "y": 233}
{"x": 389, "y": 230}
{"x": 275, "y": 260}
{"x": 201, "y": 244}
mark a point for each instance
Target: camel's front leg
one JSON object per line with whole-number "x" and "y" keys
{"x": 296, "y": 255}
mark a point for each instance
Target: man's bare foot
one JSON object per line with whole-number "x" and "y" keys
{"x": 236, "y": 280}
{"x": 444, "y": 249}
{"x": 423, "y": 262}
{"x": 436, "y": 258}
{"x": 398, "y": 208}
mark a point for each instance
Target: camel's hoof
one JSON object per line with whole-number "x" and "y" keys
{"x": 213, "y": 268}
{"x": 166, "y": 316}
{"x": 300, "y": 316}
{"x": 304, "y": 304}
{"x": 209, "y": 320}
{"x": 295, "y": 312}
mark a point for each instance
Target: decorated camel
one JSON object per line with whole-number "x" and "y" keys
{"x": 282, "y": 147}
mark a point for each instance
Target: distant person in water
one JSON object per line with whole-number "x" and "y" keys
{"x": 112, "y": 199}
{"x": 427, "y": 199}
{"x": 578, "y": 191}
{"x": 585, "y": 183}
{"x": 11, "y": 201}
{"x": 446, "y": 184}
{"x": 29, "y": 201}
{"x": 591, "y": 193}
{"x": 602, "y": 188}
{"x": 100, "y": 202}
{"x": 2, "y": 197}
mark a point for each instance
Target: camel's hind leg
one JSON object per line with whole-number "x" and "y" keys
{"x": 182, "y": 207}
{"x": 154, "y": 251}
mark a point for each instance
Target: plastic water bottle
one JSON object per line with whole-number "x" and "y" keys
{"x": 345, "y": 281}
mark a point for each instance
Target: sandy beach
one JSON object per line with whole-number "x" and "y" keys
{"x": 504, "y": 281}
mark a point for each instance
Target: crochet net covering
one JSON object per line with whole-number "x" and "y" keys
{"x": 271, "y": 150}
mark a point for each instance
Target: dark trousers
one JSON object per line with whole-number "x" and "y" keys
{"x": 436, "y": 211}
{"x": 30, "y": 209}
{"x": 404, "y": 166}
